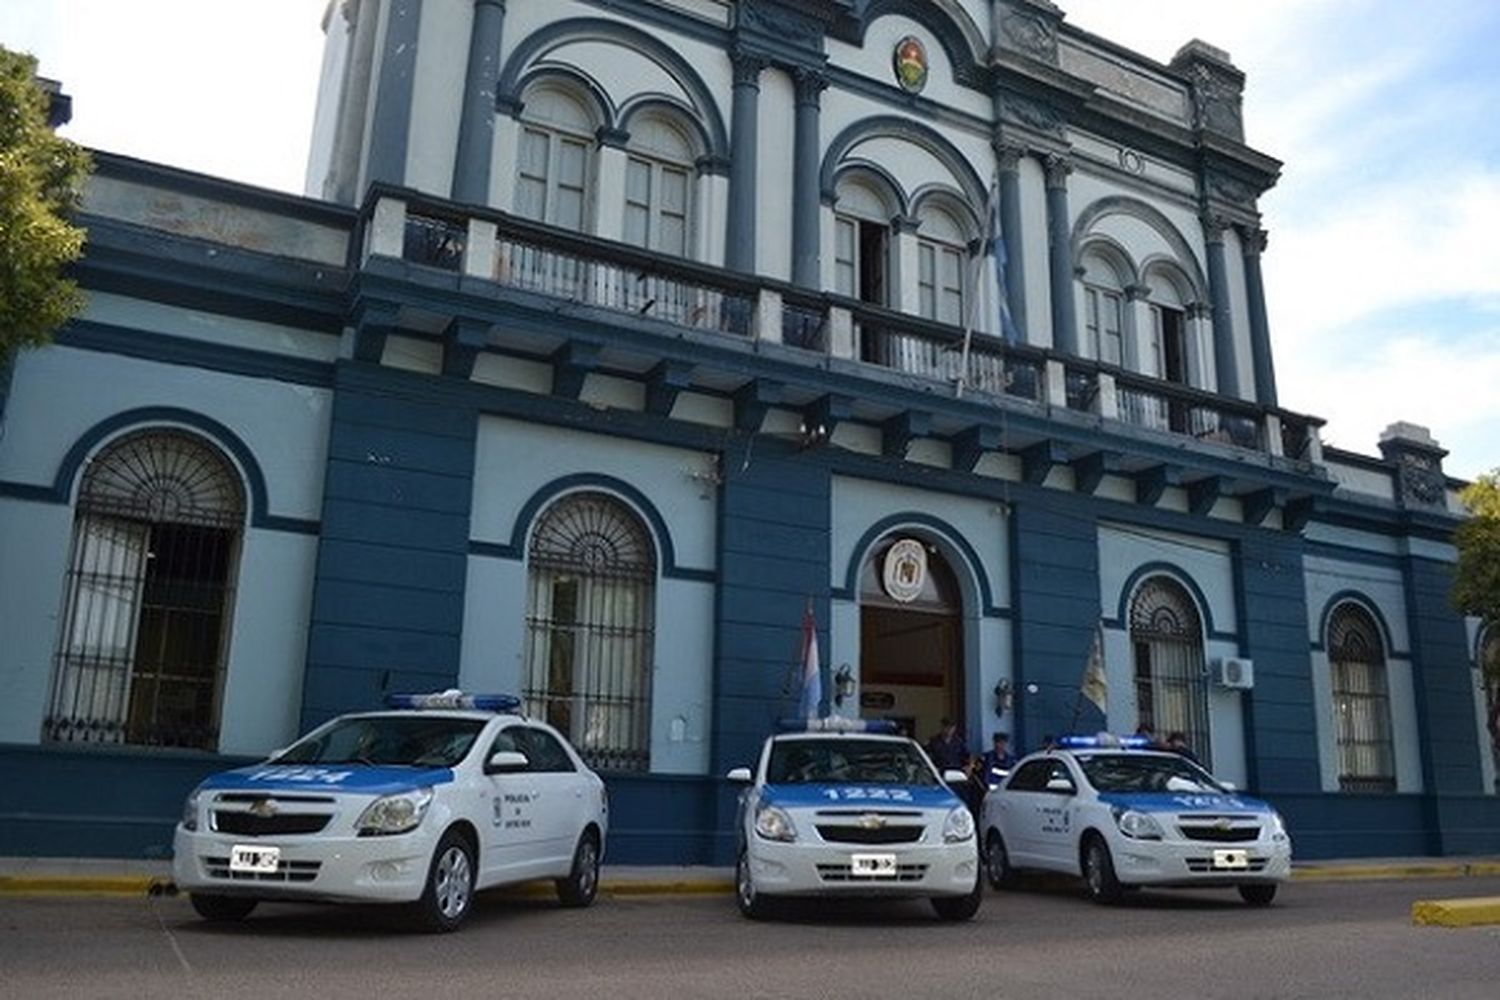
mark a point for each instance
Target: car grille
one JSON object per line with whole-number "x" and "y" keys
{"x": 1219, "y": 828}
{"x": 840, "y": 834}
{"x": 845, "y": 873}
{"x": 286, "y": 871}
{"x": 1205, "y": 866}
{"x": 247, "y": 824}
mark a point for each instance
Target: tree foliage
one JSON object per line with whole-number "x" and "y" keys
{"x": 1476, "y": 584}
{"x": 41, "y": 177}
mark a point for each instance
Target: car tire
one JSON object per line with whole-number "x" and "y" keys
{"x": 1099, "y": 872}
{"x": 222, "y": 909}
{"x": 958, "y": 908}
{"x": 449, "y": 893}
{"x": 997, "y": 862}
{"x": 1258, "y": 893}
{"x": 582, "y": 883}
{"x": 751, "y": 903}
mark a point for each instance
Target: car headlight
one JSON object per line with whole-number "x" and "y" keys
{"x": 190, "y": 811}
{"x": 1139, "y": 825}
{"x": 959, "y": 826}
{"x": 1278, "y": 827}
{"x": 394, "y": 813}
{"x": 773, "y": 823}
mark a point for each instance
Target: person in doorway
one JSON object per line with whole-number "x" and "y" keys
{"x": 1178, "y": 744}
{"x": 947, "y": 749}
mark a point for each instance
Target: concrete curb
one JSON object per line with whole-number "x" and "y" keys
{"x": 85, "y": 885}
{"x": 1456, "y": 912}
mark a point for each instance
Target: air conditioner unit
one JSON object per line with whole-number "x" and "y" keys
{"x": 1235, "y": 673}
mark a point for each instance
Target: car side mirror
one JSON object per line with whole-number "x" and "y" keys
{"x": 740, "y": 775}
{"x": 506, "y": 762}
{"x": 953, "y": 776}
{"x": 1061, "y": 786}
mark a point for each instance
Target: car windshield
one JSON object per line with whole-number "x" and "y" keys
{"x": 399, "y": 740}
{"x": 852, "y": 761}
{"x": 1121, "y": 772}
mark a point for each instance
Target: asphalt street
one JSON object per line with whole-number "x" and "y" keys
{"x": 1319, "y": 940}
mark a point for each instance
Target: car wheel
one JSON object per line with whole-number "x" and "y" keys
{"x": 222, "y": 909}
{"x": 1099, "y": 872}
{"x": 956, "y": 908}
{"x": 582, "y": 883}
{"x": 449, "y": 893}
{"x": 997, "y": 862}
{"x": 1258, "y": 894}
{"x": 751, "y": 903}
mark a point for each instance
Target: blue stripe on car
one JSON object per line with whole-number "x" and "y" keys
{"x": 360, "y": 779}
{"x": 859, "y": 796}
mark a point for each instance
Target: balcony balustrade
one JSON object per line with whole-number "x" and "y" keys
{"x": 524, "y": 255}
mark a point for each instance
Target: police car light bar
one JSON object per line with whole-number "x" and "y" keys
{"x": 454, "y": 698}
{"x": 837, "y": 724}
{"x": 1104, "y": 741}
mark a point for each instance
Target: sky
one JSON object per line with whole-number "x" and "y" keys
{"x": 1383, "y": 270}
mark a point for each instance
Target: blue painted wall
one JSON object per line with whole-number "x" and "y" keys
{"x": 1280, "y": 729}
{"x": 388, "y": 599}
{"x": 1055, "y": 603}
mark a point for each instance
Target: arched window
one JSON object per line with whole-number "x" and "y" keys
{"x": 659, "y": 186}
{"x": 554, "y": 161}
{"x": 1171, "y": 692}
{"x": 1361, "y": 704}
{"x": 150, "y": 589}
{"x": 1104, "y": 308}
{"x": 942, "y": 266}
{"x": 590, "y": 627}
{"x": 1489, "y": 666}
{"x": 862, "y": 237}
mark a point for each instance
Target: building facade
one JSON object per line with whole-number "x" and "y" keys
{"x": 615, "y": 336}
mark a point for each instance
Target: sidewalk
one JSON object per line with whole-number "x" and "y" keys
{"x": 109, "y": 876}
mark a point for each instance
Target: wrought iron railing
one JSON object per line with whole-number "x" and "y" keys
{"x": 929, "y": 350}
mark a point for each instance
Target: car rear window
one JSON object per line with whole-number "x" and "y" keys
{"x": 851, "y": 761}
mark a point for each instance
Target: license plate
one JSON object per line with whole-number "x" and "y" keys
{"x": 873, "y": 865}
{"x": 244, "y": 858}
{"x": 1231, "y": 860}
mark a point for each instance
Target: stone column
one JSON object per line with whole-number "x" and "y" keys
{"x": 906, "y": 290}
{"x": 1008, "y": 159}
{"x": 1253, "y": 242}
{"x": 390, "y": 125}
{"x": 806, "y": 194}
{"x": 476, "y": 129}
{"x": 739, "y": 241}
{"x": 1225, "y": 364}
{"x": 1060, "y": 258}
{"x": 1139, "y": 354}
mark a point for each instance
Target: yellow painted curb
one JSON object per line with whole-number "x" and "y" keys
{"x": 1456, "y": 912}
{"x": 703, "y": 888}
{"x": 55, "y": 885}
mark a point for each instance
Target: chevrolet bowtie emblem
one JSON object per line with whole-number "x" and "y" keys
{"x": 870, "y": 821}
{"x": 1222, "y": 823}
{"x": 264, "y": 808}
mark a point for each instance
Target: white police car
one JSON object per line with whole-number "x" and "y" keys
{"x": 1124, "y": 817}
{"x": 425, "y": 804}
{"x": 853, "y": 813}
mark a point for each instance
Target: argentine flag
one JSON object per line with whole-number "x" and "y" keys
{"x": 812, "y": 668}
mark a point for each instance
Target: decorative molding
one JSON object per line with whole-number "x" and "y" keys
{"x": 893, "y": 127}
{"x": 1252, "y": 240}
{"x": 1214, "y": 226}
{"x": 1182, "y": 252}
{"x": 810, "y": 84}
{"x": 1007, "y": 156}
{"x": 1031, "y": 34}
{"x": 1029, "y": 113}
{"x": 1240, "y": 193}
{"x": 973, "y": 444}
{"x": 746, "y": 67}
{"x": 898, "y": 433}
{"x": 936, "y": 529}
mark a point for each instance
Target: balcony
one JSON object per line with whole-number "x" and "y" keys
{"x": 613, "y": 278}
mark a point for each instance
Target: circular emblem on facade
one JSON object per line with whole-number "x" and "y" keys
{"x": 905, "y": 570}
{"x": 909, "y": 60}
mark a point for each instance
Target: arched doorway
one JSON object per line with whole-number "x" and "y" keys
{"x": 911, "y": 637}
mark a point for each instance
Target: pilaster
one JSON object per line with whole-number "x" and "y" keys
{"x": 476, "y": 128}
{"x": 1060, "y": 257}
{"x": 1253, "y": 243}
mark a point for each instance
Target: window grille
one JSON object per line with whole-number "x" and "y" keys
{"x": 1171, "y": 684}
{"x": 1361, "y": 703}
{"x": 590, "y": 626}
{"x": 148, "y": 595}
